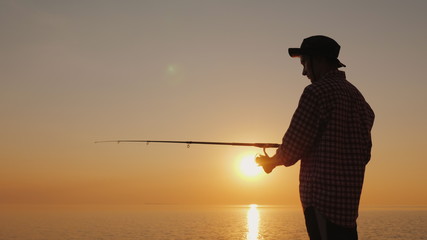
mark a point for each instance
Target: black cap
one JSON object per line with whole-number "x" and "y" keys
{"x": 318, "y": 46}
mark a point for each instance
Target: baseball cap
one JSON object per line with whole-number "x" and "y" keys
{"x": 318, "y": 46}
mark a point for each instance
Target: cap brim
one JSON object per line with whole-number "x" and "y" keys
{"x": 295, "y": 52}
{"x": 298, "y": 52}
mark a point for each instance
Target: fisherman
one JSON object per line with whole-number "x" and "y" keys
{"x": 330, "y": 132}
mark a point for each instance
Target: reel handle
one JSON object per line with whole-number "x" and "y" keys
{"x": 265, "y": 153}
{"x": 261, "y": 161}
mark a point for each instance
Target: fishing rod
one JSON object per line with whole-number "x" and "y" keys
{"x": 266, "y": 168}
{"x": 259, "y": 145}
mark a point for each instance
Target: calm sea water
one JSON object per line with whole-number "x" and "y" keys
{"x": 185, "y": 222}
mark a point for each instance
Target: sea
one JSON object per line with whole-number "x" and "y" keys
{"x": 159, "y": 222}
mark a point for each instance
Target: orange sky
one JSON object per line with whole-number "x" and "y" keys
{"x": 74, "y": 72}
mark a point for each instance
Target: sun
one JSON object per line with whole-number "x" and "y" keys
{"x": 248, "y": 167}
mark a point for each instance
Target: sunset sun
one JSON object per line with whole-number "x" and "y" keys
{"x": 248, "y": 166}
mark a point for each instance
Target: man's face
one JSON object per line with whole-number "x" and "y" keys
{"x": 306, "y": 70}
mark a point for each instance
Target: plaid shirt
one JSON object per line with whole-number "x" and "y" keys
{"x": 330, "y": 132}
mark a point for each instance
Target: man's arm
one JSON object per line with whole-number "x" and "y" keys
{"x": 300, "y": 136}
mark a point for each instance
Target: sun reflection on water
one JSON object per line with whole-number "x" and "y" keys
{"x": 253, "y": 223}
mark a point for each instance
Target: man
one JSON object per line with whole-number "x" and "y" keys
{"x": 330, "y": 132}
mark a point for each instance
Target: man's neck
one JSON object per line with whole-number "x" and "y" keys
{"x": 324, "y": 71}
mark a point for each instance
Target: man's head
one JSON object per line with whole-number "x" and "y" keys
{"x": 318, "y": 55}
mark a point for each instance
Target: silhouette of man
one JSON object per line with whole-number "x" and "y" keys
{"x": 330, "y": 132}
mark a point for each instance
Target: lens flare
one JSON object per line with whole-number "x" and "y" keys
{"x": 171, "y": 69}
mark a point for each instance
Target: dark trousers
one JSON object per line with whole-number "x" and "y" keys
{"x": 320, "y": 228}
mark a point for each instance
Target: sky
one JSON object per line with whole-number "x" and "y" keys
{"x": 75, "y": 72}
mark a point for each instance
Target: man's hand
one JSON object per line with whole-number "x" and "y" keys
{"x": 267, "y": 163}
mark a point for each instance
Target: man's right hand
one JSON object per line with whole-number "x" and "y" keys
{"x": 267, "y": 163}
